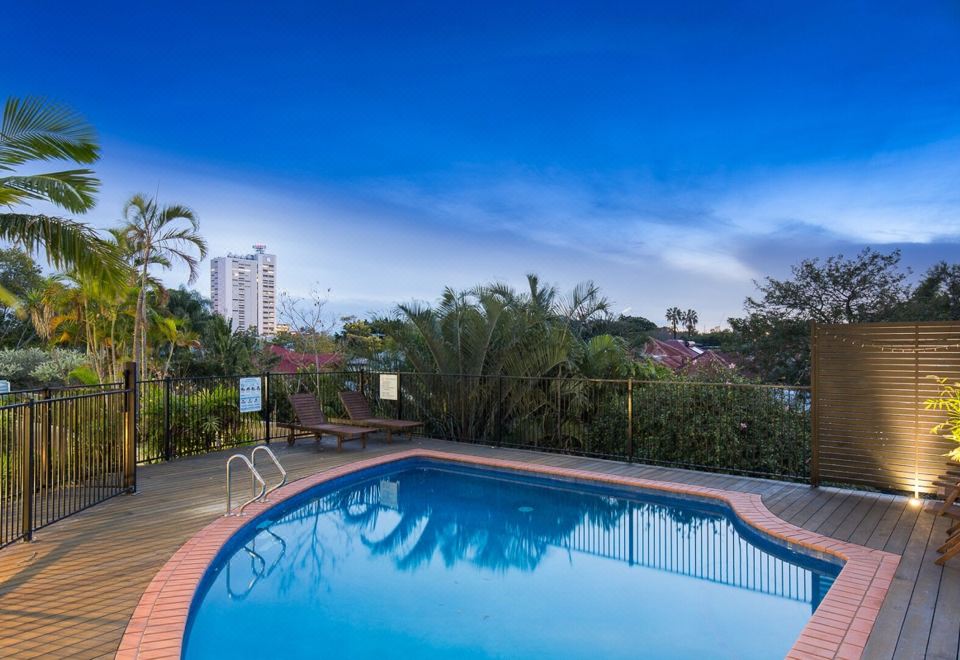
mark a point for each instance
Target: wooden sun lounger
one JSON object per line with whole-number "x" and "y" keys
{"x": 310, "y": 419}
{"x": 359, "y": 412}
{"x": 949, "y": 549}
{"x": 951, "y": 483}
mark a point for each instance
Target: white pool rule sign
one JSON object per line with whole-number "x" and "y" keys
{"x": 250, "y": 398}
{"x": 389, "y": 384}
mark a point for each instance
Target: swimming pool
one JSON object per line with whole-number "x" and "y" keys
{"x": 426, "y": 558}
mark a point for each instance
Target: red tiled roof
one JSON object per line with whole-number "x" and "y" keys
{"x": 678, "y": 355}
{"x": 293, "y": 361}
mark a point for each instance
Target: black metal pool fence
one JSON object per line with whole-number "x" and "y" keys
{"x": 64, "y": 449}
{"x": 740, "y": 428}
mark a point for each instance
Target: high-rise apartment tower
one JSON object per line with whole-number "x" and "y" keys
{"x": 244, "y": 290}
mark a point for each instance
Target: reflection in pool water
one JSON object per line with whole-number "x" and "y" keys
{"x": 432, "y": 560}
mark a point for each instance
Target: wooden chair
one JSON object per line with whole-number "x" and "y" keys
{"x": 358, "y": 410}
{"x": 310, "y": 419}
{"x": 950, "y": 481}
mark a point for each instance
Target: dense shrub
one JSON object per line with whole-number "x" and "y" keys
{"x": 27, "y": 368}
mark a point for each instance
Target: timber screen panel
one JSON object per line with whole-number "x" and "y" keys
{"x": 870, "y": 383}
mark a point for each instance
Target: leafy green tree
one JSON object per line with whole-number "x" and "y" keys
{"x": 634, "y": 330}
{"x": 190, "y": 305}
{"x": 358, "y": 338}
{"x": 19, "y": 274}
{"x": 774, "y": 336}
{"x": 868, "y": 287}
{"x": 36, "y": 130}
{"x": 227, "y": 352}
{"x": 936, "y": 297}
{"x": 191, "y": 313}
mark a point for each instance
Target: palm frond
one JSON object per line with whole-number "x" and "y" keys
{"x": 73, "y": 190}
{"x": 179, "y": 212}
{"x": 69, "y": 245}
{"x": 35, "y": 129}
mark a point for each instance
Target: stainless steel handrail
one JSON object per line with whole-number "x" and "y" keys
{"x": 273, "y": 457}
{"x": 256, "y": 477}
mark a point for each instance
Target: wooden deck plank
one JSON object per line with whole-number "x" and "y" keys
{"x": 944, "y": 642}
{"x": 900, "y": 536}
{"x": 787, "y": 508}
{"x": 815, "y": 517}
{"x": 870, "y": 521}
{"x": 915, "y": 632}
{"x": 786, "y": 494}
{"x": 855, "y": 517}
{"x": 886, "y": 631}
{"x": 827, "y": 510}
{"x": 897, "y": 510}
{"x": 813, "y": 507}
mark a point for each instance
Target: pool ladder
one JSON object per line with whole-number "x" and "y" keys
{"x": 255, "y": 478}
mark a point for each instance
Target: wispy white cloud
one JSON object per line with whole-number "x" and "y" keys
{"x": 902, "y": 196}
{"x": 625, "y": 221}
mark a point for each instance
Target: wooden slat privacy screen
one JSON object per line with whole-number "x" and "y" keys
{"x": 869, "y": 384}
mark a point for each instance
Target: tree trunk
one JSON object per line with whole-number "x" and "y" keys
{"x": 140, "y": 318}
{"x": 166, "y": 367}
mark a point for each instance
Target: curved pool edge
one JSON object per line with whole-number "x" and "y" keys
{"x": 839, "y": 627}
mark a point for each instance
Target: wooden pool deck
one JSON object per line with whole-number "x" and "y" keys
{"x": 71, "y": 592}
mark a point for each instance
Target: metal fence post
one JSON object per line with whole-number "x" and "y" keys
{"x": 265, "y": 378}
{"x": 814, "y": 424}
{"x": 130, "y": 427}
{"x": 27, "y": 467}
{"x": 629, "y": 419}
{"x": 399, "y": 395}
{"x": 46, "y": 441}
{"x": 167, "y": 431}
{"x": 499, "y": 410}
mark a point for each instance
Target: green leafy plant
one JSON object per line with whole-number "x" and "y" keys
{"x": 947, "y": 401}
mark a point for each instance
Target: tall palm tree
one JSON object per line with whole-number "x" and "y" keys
{"x": 690, "y": 320}
{"x": 33, "y": 130}
{"x": 674, "y": 318}
{"x": 156, "y": 235}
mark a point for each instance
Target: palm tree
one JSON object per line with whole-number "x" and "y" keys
{"x": 485, "y": 346}
{"x": 155, "y": 235}
{"x": 31, "y": 130}
{"x": 42, "y": 306}
{"x": 690, "y": 320}
{"x": 175, "y": 333}
{"x": 674, "y": 318}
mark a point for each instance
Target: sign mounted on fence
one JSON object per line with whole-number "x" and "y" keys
{"x": 250, "y": 397}
{"x": 4, "y": 387}
{"x": 389, "y": 386}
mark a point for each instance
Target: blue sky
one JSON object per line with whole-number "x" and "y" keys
{"x": 671, "y": 152}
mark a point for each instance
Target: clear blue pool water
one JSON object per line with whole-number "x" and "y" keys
{"x": 434, "y": 560}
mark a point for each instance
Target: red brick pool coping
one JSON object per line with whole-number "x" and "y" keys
{"x": 838, "y": 629}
